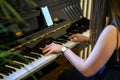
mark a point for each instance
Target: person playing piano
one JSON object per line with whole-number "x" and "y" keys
{"x": 105, "y": 38}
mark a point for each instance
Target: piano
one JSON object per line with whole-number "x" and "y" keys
{"x": 26, "y": 57}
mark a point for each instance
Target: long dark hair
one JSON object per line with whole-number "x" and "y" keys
{"x": 103, "y": 12}
{"x": 115, "y": 10}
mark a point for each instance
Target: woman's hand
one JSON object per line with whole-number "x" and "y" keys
{"x": 78, "y": 38}
{"x": 52, "y": 48}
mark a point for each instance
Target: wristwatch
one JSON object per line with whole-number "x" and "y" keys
{"x": 63, "y": 49}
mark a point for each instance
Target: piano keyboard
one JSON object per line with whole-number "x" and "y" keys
{"x": 30, "y": 68}
{"x": 21, "y": 69}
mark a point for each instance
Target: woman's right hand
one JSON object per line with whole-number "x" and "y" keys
{"x": 52, "y": 48}
{"x": 78, "y": 38}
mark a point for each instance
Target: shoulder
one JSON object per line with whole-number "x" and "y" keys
{"x": 114, "y": 33}
{"x": 110, "y": 31}
{"x": 111, "y": 28}
{"x": 109, "y": 36}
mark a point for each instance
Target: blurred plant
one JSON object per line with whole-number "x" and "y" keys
{"x": 8, "y": 11}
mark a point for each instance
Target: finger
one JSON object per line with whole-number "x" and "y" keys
{"x": 46, "y": 46}
{"x": 45, "y": 50}
{"x": 48, "y": 53}
{"x": 74, "y": 39}
{"x": 72, "y": 36}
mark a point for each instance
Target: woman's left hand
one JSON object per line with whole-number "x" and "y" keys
{"x": 52, "y": 48}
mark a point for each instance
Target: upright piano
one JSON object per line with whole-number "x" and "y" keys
{"x": 20, "y": 47}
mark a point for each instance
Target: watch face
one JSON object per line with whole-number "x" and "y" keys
{"x": 63, "y": 49}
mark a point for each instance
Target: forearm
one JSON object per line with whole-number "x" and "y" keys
{"x": 74, "y": 59}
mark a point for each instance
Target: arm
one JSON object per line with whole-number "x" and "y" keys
{"x": 101, "y": 53}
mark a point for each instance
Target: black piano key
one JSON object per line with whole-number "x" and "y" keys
{"x": 4, "y": 71}
{"x": 13, "y": 64}
{"x": 18, "y": 66}
{"x": 37, "y": 54}
{"x": 12, "y": 69}
{"x": 69, "y": 33}
{"x": 57, "y": 42}
{"x": 26, "y": 51}
{"x": 30, "y": 55}
{"x": 61, "y": 40}
{"x": 63, "y": 37}
{"x": 3, "y": 66}
{"x": 38, "y": 50}
{"x": 7, "y": 69}
{"x": 43, "y": 42}
{"x": 30, "y": 59}
{"x": 1, "y": 77}
{"x": 21, "y": 60}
